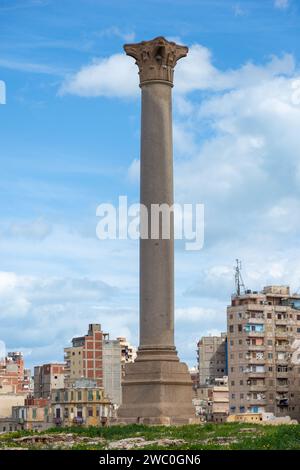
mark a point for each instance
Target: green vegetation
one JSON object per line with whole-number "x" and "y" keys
{"x": 198, "y": 437}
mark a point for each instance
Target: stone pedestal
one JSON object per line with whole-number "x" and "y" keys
{"x": 157, "y": 388}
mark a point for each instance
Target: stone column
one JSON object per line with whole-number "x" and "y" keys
{"x": 157, "y": 388}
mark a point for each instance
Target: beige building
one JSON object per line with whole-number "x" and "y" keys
{"x": 84, "y": 357}
{"x": 211, "y": 356}
{"x": 264, "y": 352}
{"x": 8, "y": 399}
{"x": 82, "y": 404}
{"x": 48, "y": 377}
{"x": 112, "y": 369}
{"x": 34, "y": 415}
{"x": 128, "y": 352}
{"x": 220, "y": 400}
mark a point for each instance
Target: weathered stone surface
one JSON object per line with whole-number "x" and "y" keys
{"x": 157, "y": 388}
{"x": 156, "y": 59}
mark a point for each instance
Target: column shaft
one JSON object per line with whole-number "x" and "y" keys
{"x": 156, "y": 255}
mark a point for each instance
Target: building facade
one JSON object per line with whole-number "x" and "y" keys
{"x": 34, "y": 415}
{"x": 264, "y": 352}
{"x": 13, "y": 374}
{"x": 211, "y": 357}
{"x": 128, "y": 352}
{"x": 48, "y": 377}
{"x": 112, "y": 369}
{"x": 82, "y": 404}
{"x": 84, "y": 357}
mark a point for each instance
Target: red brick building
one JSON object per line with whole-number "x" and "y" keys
{"x": 13, "y": 375}
{"x": 84, "y": 357}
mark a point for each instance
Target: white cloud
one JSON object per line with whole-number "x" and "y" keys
{"x": 117, "y": 75}
{"x": 281, "y": 4}
{"x": 113, "y": 76}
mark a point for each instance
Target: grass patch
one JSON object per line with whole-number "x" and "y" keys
{"x": 198, "y": 437}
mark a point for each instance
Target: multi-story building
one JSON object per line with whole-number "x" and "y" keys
{"x": 128, "y": 352}
{"x": 84, "y": 403}
{"x": 112, "y": 369}
{"x": 13, "y": 374}
{"x": 48, "y": 377}
{"x": 220, "y": 400}
{"x": 211, "y": 356}
{"x": 34, "y": 415}
{"x": 263, "y": 352}
{"x": 84, "y": 357}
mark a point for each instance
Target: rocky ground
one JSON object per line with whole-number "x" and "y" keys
{"x": 204, "y": 436}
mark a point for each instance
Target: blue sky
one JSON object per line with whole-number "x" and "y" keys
{"x": 69, "y": 140}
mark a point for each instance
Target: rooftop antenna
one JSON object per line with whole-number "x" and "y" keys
{"x": 239, "y": 283}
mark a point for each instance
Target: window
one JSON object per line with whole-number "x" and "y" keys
{"x": 232, "y": 383}
{"x": 241, "y": 382}
{"x": 90, "y": 395}
{"x": 298, "y": 317}
{"x": 270, "y": 342}
{"x": 79, "y": 396}
{"x": 240, "y": 341}
{"x": 240, "y": 328}
{"x": 33, "y": 413}
{"x": 270, "y": 356}
{"x": 90, "y": 411}
{"x": 231, "y": 328}
{"x": 269, "y": 315}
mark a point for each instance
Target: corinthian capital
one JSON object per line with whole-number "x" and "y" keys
{"x": 156, "y": 59}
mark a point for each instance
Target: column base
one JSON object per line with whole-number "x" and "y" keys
{"x": 157, "y": 389}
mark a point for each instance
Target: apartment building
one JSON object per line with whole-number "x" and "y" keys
{"x": 112, "y": 369}
{"x": 264, "y": 352}
{"x": 128, "y": 352}
{"x": 13, "y": 375}
{"x": 211, "y": 358}
{"x": 34, "y": 415}
{"x": 48, "y": 377}
{"x": 84, "y": 357}
{"x": 84, "y": 403}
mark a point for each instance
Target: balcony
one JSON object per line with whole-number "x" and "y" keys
{"x": 255, "y": 320}
{"x": 282, "y": 374}
{"x": 254, "y": 360}
{"x": 282, "y": 321}
{"x": 281, "y": 333}
{"x": 78, "y": 420}
{"x": 57, "y": 421}
{"x": 257, "y": 388}
{"x": 255, "y": 334}
{"x": 255, "y": 374}
{"x": 257, "y": 402}
{"x": 282, "y": 388}
{"x": 282, "y": 401}
{"x": 282, "y": 347}
{"x": 256, "y": 347}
